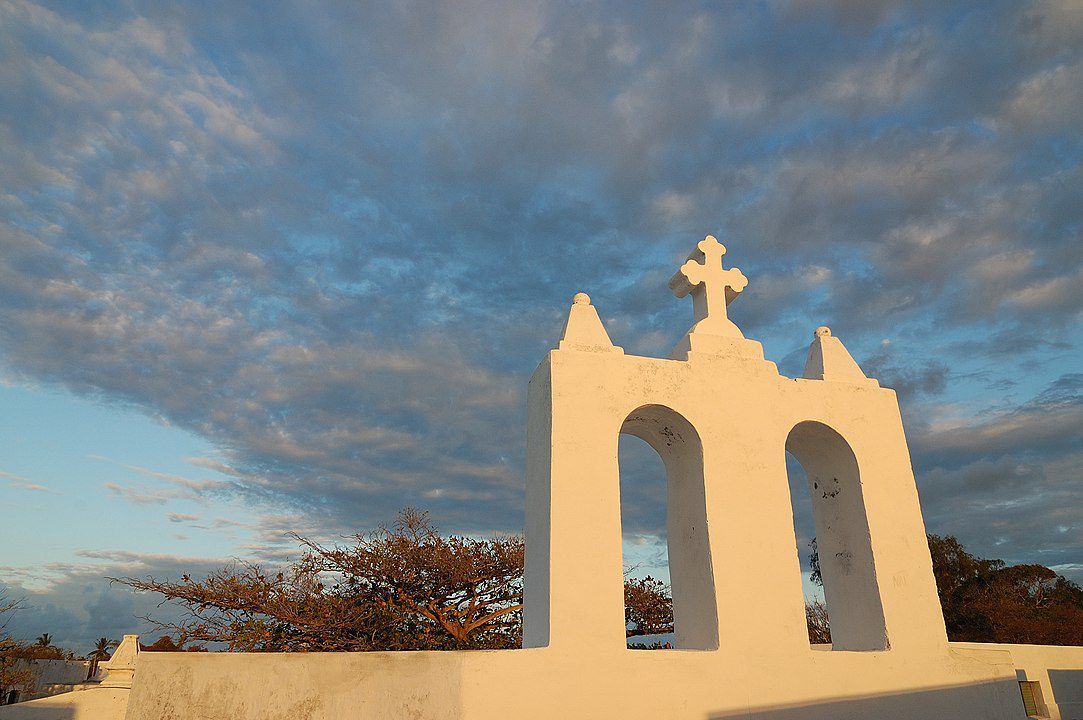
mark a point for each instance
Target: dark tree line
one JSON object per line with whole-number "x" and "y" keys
{"x": 989, "y": 600}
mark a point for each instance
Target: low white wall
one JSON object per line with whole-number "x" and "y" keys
{"x": 297, "y": 686}
{"x": 974, "y": 680}
{"x": 93, "y": 703}
{"x": 1058, "y": 669}
{"x": 60, "y": 672}
{"x": 575, "y": 683}
{"x": 51, "y": 677}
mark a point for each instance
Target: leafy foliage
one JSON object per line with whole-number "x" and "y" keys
{"x": 989, "y": 601}
{"x": 102, "y": 648}
{"x": 468, "y": 590}
{"x": 99, "y": 653}
{"x": 16, "y": 669}
{"x": 400, "y": 588}
{"x": 648, "y": 607}
{"x": 13, "y": 672}
{"x": 165, "y": 643}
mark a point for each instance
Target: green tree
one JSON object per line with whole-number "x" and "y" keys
{"x": 987, "y": 600}
{"x": 99, "y": 653}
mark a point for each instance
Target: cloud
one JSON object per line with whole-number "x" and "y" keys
{"x": 1046, "y": 426}
{"x": 176, "y": 486}
{"x": 929, "y": 377}
{"x": 23, "y": 483}
{"x": 335, "y": 244}
{"x": 137, "y": 496}
{"x": 1007, "y": 484}
{"x": 77, "y": 604}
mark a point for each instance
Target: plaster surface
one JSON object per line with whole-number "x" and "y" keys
{"x": 1057, "y": 669}
{"x": 95, "y": 703}
{"x": 546, "y": 683}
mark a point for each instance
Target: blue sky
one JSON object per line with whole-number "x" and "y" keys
{"x": 288, "y": 269}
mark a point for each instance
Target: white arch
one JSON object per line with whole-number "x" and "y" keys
{"x": 843, "y": 540}
{"x": 674, "y": 438}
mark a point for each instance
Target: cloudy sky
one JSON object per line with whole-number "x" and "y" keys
{"x": 269, "y": 269}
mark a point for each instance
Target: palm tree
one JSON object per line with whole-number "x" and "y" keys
{"x": 100, "y": 652}
{"x": 44, "y": 640}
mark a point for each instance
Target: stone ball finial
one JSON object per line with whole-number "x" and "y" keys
{"x": 581, "y": 299}
{"x": 822, "y": 331}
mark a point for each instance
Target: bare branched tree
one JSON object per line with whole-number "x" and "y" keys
{"x": 648, "y": 607}
{"x": 8, "y": 607}
{"x": 470, "y": 589}
{"x": 819, "y": 626}
{"x": 405, "y": 587}
{"x": 399, "y": 588}
{"x": 15, "y": 670}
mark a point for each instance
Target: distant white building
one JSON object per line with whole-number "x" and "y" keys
{"x": 50, "y": 677}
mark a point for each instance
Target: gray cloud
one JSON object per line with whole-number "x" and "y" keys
{"x": 76, "y": 604}
{"x": 335, "y": 244}
{"x": 909, "y": 382}
{"x": 1008, "y": 485}
{"x": 1044, "y": 427}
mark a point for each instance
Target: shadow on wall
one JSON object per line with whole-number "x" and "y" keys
{"x": 942, "y": 702}
{"x": 1067, "y": 687}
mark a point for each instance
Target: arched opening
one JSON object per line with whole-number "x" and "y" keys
{"x": 687, "y": 548}
{"x": 805, "y": 532}
{"x": 644, "y": 545}
{"x": 841, "y": 529}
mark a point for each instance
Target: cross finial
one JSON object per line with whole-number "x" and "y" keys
{"x": 711, "y": 286}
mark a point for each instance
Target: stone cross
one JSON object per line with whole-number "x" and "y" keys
{"x": 711, "y": 286}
